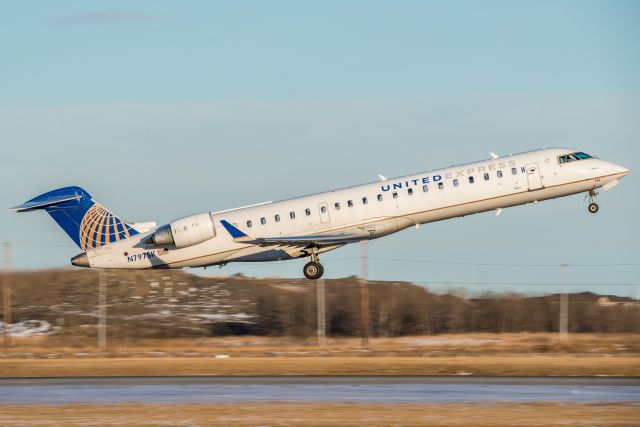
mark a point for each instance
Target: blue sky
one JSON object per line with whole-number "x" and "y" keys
{"x": 162, "y": 109}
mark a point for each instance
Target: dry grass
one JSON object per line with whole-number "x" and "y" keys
{"x": 322, "y": 414}
{"x": 434, "y": 345}
{"x": 337, "y": 365}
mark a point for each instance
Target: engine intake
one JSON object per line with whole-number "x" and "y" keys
{"x": 183, "y": 232}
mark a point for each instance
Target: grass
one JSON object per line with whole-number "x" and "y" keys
{"x": 434, "y": 345}
{"x": 322, "y": 414}
{"x": 561, "y": 365}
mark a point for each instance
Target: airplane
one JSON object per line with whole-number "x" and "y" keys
{"x": 310, "y": 225}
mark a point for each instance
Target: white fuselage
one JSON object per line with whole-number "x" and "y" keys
{"x": 380, "y": 208}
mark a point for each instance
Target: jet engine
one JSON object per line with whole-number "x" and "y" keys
{"x": 183, "y": 232}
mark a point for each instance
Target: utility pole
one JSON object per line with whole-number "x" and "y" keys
{"x": 6, "y": 295}
{"x": 320, "y": 303}
{"x": 364, "y": 293}
{"x": 564, "y": 305}
{"x": 102, "y": 309}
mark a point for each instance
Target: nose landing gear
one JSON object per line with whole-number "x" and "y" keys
{"x": 313, "y": 269}
{"x": 593, "y": 206}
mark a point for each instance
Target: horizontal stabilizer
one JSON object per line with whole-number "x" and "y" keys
{"x": 44, "y": 203}
{"x": 88, "y": 223}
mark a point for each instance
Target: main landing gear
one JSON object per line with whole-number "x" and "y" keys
{"x": 593, "y": 206}
{"x": 313, "y": 270}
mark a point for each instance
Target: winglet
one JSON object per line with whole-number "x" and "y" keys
{"x": 238, "y": 235}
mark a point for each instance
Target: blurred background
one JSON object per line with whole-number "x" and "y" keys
{"x": 145, "y": 104}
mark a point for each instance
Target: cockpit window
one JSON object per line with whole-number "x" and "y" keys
{"x": 573, "y": 157}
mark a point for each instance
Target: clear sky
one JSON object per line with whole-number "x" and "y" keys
{"x": 163, "y": 109}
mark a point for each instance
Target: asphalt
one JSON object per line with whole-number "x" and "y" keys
{"x": 383, "y": 389}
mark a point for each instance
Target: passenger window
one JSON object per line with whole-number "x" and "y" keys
{"x": 364, "y": 200}
{"x": 486, "y": 177}
{"x": 499, "y": 173}
{"x": 455, "y": 182}
{"x": 410, "y": 191}
{"x": 425, "y": 188}
{"x": 379, "y": 197}
{"x": 263, "y": 221}
{"x": 307, "y": 212}
{"x": 350, "y": 203}
{"x": 323, "y": 209}
{"x": 514, "y": 171}
{"x": 277, "y": 218}
{"x": 292, "y": 215}
{"x": 249, "y": 224}
{"x": 337, "y": 206}
{"x": 395, "y": 194}
{"x": 470, "y": 180}
{"x": 440, "y": 186}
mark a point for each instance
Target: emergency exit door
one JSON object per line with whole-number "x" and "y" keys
{"x": 534, "y": 180}
{"x": 323, "y": 209}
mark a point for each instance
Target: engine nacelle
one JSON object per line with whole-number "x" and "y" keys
{"x": 183, "y": 232}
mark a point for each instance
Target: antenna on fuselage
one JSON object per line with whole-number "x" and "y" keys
{"x": 494, "y": 155}
{"x": 382, "y": 177}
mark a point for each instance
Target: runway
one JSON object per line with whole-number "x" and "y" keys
{"x": 382, "y": 389}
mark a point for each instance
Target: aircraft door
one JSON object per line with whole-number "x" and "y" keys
{"x": 323, "y": 209}
{"x": 533, "y": 176}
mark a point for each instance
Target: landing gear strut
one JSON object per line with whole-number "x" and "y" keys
{"x": 313, "y": 270}
{"x": 593, "y": 206}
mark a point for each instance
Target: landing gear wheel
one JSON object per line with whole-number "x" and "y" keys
{"x": 593, "y": 208}
{"x": 313, "y": 270}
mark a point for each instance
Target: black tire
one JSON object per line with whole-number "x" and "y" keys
{"x": 593, "y": 208}
{"x": 313, "y": 270}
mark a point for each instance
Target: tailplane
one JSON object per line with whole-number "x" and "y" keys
{"x": 88, "y": 223}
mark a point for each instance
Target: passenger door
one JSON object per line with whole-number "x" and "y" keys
{"x": 533, "y": 176}
{"x": 323, "y": 209}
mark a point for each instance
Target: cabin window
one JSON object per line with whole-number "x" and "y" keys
{"x": 263, "y": 221}
{"x": 307, "y": 212}
{"x": 470, "y": 180}
{"x": 337, "y": 206}
{"x": 410, "y": 191}
{"x": 499, "y": 173}
{"x": 292, "y": 215}
{"x": 364, "y": 200}
{"x": 395, "y": 194}
{"x": 323, "y": 209}
{"x": 455, "y": 182}
{"x": 277, "y": 218}
{"x": 425, "y": 188}
{"x": 486, "y": 177}
{"x": 514, "y": 171}
{"x": 379, "y": 197}
{"x": 440, "y": 186}
{"x": 249, "y": 224}
{"x": 350, "y": 203}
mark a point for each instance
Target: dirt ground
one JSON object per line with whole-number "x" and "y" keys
{"x": 539, "y": 365}
{"x": 322, "y": 415}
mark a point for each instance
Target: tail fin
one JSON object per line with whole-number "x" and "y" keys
{"x": 88, "y": 223}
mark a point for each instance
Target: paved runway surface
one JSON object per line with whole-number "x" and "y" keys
{"x": 318, "y": 389}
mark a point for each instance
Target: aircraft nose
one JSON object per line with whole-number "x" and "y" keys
{"x": 621, "y": 169}
{"x": 81, "y": 260}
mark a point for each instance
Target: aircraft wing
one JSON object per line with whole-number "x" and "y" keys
{"x": 347, "y": 236}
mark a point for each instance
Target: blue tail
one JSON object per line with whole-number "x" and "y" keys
{"x": 88, "y": 223}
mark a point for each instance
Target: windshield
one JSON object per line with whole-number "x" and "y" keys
{"x": 573, "y": 157}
